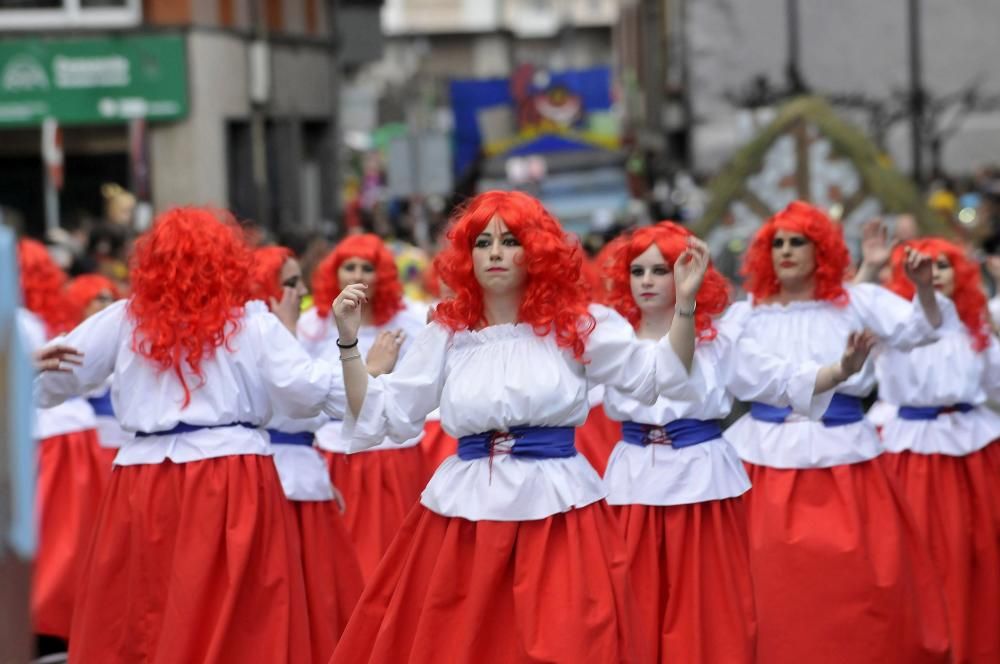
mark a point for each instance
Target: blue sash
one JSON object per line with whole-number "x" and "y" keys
{"x": 531, "y": 442}
{"x": 932, "y": 412}
{"x": 301, "y": 438}
{"x": 679, "y": 433}
{"x": 102, "y": 405}
{"x": 843, "y": 410}
{"x": 188, "y": 428}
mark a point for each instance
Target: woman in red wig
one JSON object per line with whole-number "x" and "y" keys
{"x": 194, "y": 556}
{"x": 89, "y": 294}
{"x": 72, "y": 472}
{"x": 943, "y": 452}
{"x": 839, "y": 571}
{"x": 512, "y": 555}
{"x": 329, "y": 564}
{"x": 382, "y": 484}
{"x": 675, "y": 482}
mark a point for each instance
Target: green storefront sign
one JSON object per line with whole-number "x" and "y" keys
{"x": 86, "y": 81}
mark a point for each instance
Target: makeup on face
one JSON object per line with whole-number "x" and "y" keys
{"x": 496, "y": 257}
{"x": 651, "y": 280}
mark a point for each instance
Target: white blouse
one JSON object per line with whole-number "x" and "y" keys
{"x": 664, "y": 475}
{"x": 813, "y": 334}
{"x": 319, "y": 338}
{"x": 500, "y": 377}
{"x": 261, "y": 370}
{"x": 994, "y": 306}
{"x": 68, "y": 417}
{"x": 945, "y": 373}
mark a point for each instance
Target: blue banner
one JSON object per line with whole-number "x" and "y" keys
{"x": 533, "y": 112}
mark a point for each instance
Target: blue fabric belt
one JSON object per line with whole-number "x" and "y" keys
{"x": 301, "y": 438}
{"x": 679, "y": 433}
{"x": 531, "y": 442}
{"x": 102, "y": 405}
{"x": 932, "y": 412}
{"x": 188, "y": 428}
{"x": 843, "y": 409}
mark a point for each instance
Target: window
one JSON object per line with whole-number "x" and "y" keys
{"x": 55, "y": 14}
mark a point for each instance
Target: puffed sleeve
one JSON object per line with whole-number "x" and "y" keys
{"x": 312, "y": 332}
{"x": 397, "y": 403}
{"x": 98, "y": 338}
{"x": 991, "y": 376}
{"x": 615, "y": 357}
{"x": 898, "y": 323}
{"x": 712, "y": 358}
{"x": 752, "y": 373}
{"x": 297, "y": 385}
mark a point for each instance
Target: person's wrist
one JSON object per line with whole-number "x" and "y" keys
{"x": 685, "y": 306}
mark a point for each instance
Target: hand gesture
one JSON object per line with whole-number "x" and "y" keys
{"x": 57, "y": 358}
{"x": 919, "y": 268}
{"x": 287, "y": 310}
{"x": 384, "y": 352}
{"x": 689, "y": 271}
{"x": 347, "y": 311}
{"x": 875, "y": 247}
{"x": 859, "y": 345}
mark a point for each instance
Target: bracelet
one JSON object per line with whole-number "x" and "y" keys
{"x": 686, "y": 314}
{"x": 356, "y": 356}
{"x": 345, "y": 346}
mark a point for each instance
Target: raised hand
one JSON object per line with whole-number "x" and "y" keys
{"x": 919, "y": 268}
{"x": 57, "y": 358}
{"x": 384, "y": 352}
{"x": 875, "y": 247}
{"x": 859, "y": 346}
{"x": 689, "y": 272}
{"x": 347, "y": 311}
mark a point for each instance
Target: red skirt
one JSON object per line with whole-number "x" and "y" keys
{"x": 498, "y": 592}
{"x": 597, "y": 438}
{"x": 951, "y": 498}
{"x": 193, "y": 562}
{"x": 436, "y": 446}
{"x": 72, "y": 477}
{"x": 690, "y": 570}
{"x": 840, "y": 574}
{"x": 379, "y": 489}
{"x": 331, "y": 571}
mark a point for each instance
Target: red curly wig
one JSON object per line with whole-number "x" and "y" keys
{"x": 386, "y": 301}
{"x": 265, "y": 272}
{"x": 82, "y": 290}
{"x": 555, "y": 297}
{"x": 42, "y": 286}
{"x": 968, "y": 296}
{"x": 832, "y": 257}
{"x": 671, "y": 240}
{"x": 190, "y": 280}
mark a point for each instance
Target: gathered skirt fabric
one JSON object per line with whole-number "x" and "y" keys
{"x": 840, "y": 572}
{"x": 379, "y": 489}
{"x": 689, "y": 567}
{"x": 597, "y": 438}
{"x": 552, "y": 590}
{"x": 73, "y": 473}
{"x": 193, "y": 562}
{"x": 331, "y": 572}
{"x": 952, "y": 501}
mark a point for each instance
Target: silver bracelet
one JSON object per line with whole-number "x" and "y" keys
{"x": 686, "y": 314}
{"x": 356, "y": 356}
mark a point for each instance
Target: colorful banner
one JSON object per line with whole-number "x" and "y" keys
{"x": 533, "y": 112}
